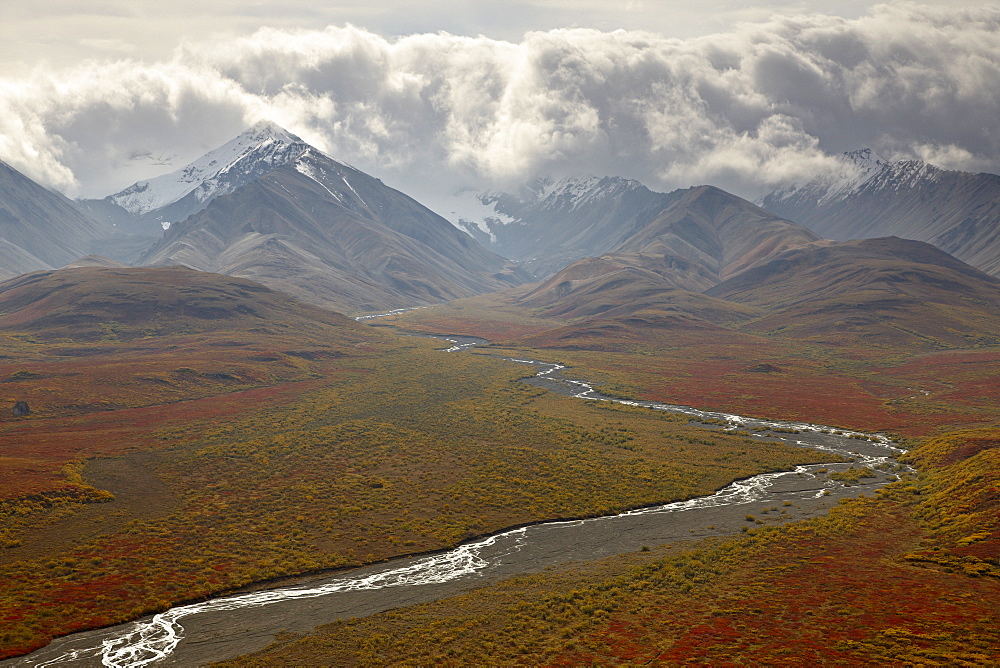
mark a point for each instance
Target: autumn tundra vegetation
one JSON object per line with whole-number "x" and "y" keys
{"x": 284, "y": 441}
{"x": 175, "y": 452}
{"x": 910, "y": 576}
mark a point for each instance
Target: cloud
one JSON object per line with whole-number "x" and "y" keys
{"x": 746, "y": 109}
{"x": 117, "y": 45}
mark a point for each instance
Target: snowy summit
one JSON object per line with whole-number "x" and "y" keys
{"x": 240, "y": 161}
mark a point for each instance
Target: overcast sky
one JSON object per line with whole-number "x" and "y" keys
{"x": 435, "y": 97}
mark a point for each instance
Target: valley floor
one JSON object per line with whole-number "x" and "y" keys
{"x": 383, "y": 449}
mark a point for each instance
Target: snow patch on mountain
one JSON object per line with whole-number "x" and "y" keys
{"x": 489, "y": 211}
{"x": 467, "y": 210}
{"x": 239, "y": 161}
{"x": 854, "y": 170}
{"x": 858, "y": 171}
{"x": 572, "y": 193}
{"x": 317, "y": 174}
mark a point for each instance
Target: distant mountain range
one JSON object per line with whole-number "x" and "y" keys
{"x": 269, "y": 207}
{"x": 870, "y": 197}
{"x": 550, "y": 224}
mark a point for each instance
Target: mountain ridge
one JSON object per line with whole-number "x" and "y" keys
{"x": 871, "y": 197}
{"x": 550, "y": 224}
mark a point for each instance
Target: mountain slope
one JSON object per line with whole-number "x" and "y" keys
{"x": 335, "y": 236}
{"x": 40, "y": 229}
{"x": 548, "y": 226}
{"x": 704, "y": 236}
{"x": 79, "y": 303}
{"x": 871, "y": 197}
{"x": 886, "y": 291}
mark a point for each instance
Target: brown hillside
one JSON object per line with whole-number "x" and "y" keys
{"x": 615, "y": 284}
{"x": 725, "y": 233}
{"x": 884, "y": 292}
{"x": 88, "y": 304}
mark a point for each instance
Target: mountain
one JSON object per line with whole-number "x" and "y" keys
{"x": 175, "y": 196}
{"x": 550, "y": 224}
{"x": 723, "y": 232}
{"x": 141, "y": 212}
{"x": 325, "y": 232}
{"x": 704, "y": 236}
{"x": 879, "y": 291}
{"x": 872, "y": 197}
{"x": 39, "y": 228}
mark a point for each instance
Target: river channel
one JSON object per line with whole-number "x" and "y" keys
{"x": 243, "y": 622}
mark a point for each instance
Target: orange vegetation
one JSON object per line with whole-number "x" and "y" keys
{"x": 673, "y": 358}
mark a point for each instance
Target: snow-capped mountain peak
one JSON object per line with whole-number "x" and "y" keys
{"x": 571, "y": 193}
{"x": 854, "y": 169}
{"x": 546, "y": 195}
{"x": 243, "y": 159}
{"x": 858, "y": 171}
{"x": 264, "y": 131}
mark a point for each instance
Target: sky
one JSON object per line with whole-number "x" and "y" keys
{"x": 443, "y": 97}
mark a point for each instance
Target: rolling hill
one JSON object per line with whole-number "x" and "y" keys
{"x": 125, "y": 304}
{"x": 887, "y": 291}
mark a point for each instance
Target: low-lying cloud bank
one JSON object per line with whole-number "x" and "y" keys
{"x": 745, "y": 110}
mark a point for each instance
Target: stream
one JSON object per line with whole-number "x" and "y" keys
{"x": 235, "y": 624}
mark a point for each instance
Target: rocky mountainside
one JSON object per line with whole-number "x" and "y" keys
{"x": 872, "y": 197}
{"x": 332, "y": 235}
{"x": 551, "y": 224}
{"x": 39, "y": 228}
